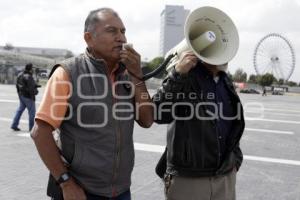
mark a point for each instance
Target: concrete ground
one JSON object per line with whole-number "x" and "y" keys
{"x": 271, "y": 144}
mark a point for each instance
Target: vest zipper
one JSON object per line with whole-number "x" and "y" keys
{"x": 118, "y": 140}
{"x": 118, "y": 147}
{"x": 117, "y": 159}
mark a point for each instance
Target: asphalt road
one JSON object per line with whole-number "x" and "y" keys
{"x": 271, "y": 145}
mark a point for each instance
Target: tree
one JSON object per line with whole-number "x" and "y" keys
{"x": 252, "y": 78}
{"x": 266, "y": 79}
{"x": 280, "y": 81}
{"x": 229, "y": 75}
{"x": 291, "y": 83}
{"x": 154, "y": 63}
{"x": 240, "y": 76}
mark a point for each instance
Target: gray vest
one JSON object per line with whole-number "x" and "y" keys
{"x": 98, "y": 146}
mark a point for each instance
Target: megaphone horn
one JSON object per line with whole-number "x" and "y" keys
{"x": 210, "y": 34}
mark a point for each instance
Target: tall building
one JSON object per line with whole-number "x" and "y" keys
{"x": 172, "y": 20}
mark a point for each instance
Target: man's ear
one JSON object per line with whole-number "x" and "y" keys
{"x": 88, "y": 37}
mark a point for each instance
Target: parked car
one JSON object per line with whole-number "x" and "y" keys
{"x": 43, "y": 75}
{"x": 278, "y": 91}
{"x": 249, "y": 91}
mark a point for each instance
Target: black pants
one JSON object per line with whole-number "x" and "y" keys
{"x": 55, "y": 192}
{"x": 123, "y": 196}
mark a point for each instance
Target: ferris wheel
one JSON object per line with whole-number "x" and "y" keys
{"x": 274, "y": 54}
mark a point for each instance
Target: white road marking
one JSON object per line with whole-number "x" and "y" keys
{"x": 289, "y": 106}
{"x": 282, "y": 110}
{"x": 8, "y": 101}
{"x": 247, "y": 129}
{"x": 247, "y": 118}
{"x": 149, "y": 147}
{"x": 160, "y": 149}
{"x": 10, "y": 120}
{"x": 24, "y": 134}
{"x": 272, "y": 120}
{"x": 250, "y": 109}
{"x": 272, "y": 160}
{"x": 272, "y": 113}
{"x": 14, "y": 101}
{"x": 6, "y": 94}
{"x": 270, "y": 131}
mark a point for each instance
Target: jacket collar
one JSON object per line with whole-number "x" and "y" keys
{"x": 198, "y": 78}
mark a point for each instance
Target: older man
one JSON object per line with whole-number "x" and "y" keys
{"x": 92, "y": 100}
{"x": 206, "y": 123}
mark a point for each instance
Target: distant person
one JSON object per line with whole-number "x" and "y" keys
{"x": 27, "y": 89}
{"x": 92, "y": 100}
{"x": 206, "y": 123}
{"x": 264, "y": 91}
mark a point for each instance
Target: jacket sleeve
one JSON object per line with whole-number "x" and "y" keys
{"x": 239, "y": 156}
{"x": 166, "y": 96}
{"x": 31, "y": 87}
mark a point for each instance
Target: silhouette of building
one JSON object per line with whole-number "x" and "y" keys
{"x": 172, "y": 20}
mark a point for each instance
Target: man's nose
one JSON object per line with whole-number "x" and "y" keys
{"x": 121, "y": 37}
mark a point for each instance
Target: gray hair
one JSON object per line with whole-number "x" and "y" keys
{"x": 93, "y": 18}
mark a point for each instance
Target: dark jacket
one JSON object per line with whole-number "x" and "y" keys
{"x": 26, "y": 85}
{"x": 193, "y": 147}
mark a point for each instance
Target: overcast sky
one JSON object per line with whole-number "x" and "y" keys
{"x": 59, "y": 23}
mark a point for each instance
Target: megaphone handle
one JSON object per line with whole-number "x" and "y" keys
{"x": 159, "y": 68}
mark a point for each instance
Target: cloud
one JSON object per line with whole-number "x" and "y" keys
{"x": 59, "y": 23}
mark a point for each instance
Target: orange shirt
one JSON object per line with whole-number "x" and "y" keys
{"x": 54, "y": 103}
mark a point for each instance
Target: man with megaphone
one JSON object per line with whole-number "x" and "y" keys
{"x": 203, "y": 110}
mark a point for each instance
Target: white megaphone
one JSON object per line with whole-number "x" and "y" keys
{"x": 210, "y": 34}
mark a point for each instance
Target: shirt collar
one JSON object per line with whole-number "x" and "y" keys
{"x": 205, "y": 73}
{"x": 99, "y": 61}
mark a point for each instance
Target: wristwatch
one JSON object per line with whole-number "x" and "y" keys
{"x": 63, "y": 178}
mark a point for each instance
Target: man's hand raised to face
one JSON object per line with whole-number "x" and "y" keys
{"x": 186, "y": 62}
{"x": 132, "y": 60}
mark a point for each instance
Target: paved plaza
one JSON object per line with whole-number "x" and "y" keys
{"x": 271, "y": 145}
